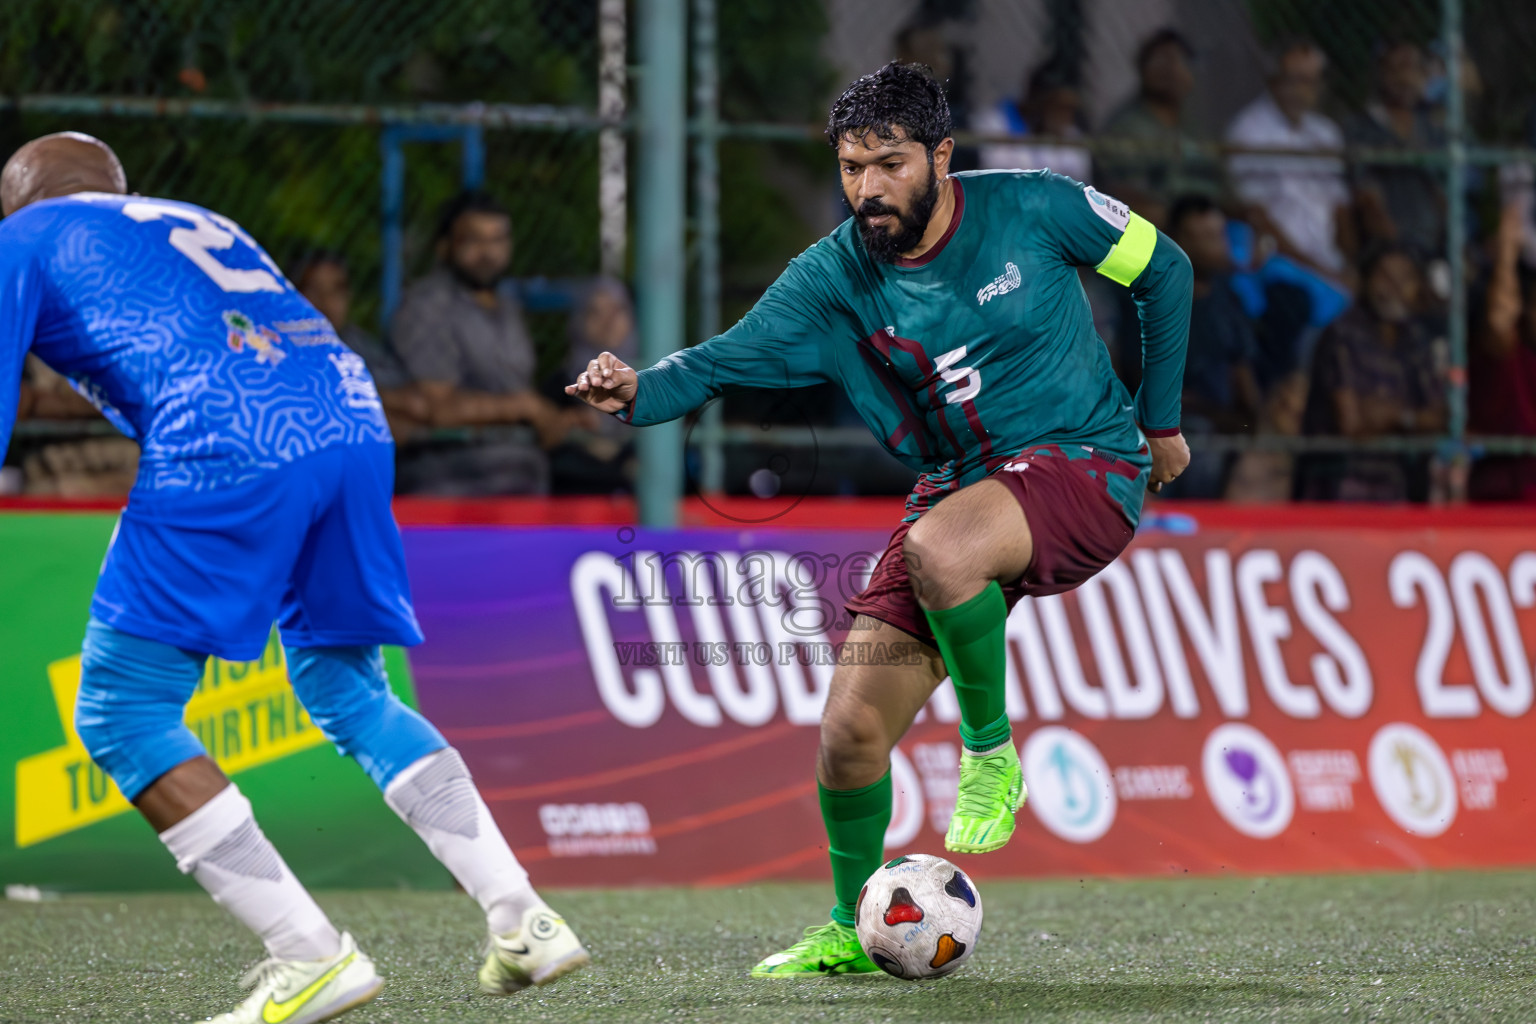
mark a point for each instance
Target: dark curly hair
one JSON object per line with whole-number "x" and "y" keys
{"x": 898, "y": 102}
{"x": 468, "y": 201}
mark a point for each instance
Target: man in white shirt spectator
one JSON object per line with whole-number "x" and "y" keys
{"x": 1302, "y": 202}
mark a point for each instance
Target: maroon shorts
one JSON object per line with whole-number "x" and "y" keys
{"x": 1077, "y": 529}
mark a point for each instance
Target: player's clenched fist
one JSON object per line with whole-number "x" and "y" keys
{"x": 608, "y": 384}
{"x": 1170, "y": 457}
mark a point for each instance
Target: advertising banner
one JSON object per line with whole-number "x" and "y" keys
{"x": 642, "y": 707}
{"x": 1255, "y": 694}
{"x": 69, "y": 827}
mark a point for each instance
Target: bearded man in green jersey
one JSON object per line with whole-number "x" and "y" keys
{"x": 949, "y": 309}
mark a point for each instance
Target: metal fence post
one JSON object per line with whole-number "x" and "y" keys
{"x": 391, "y": 230}
{"x": 706, "y": 192}
{"x": 1456, "y": 222}
{"x": 612, "y": 152}
{"x": 660, "y": 275}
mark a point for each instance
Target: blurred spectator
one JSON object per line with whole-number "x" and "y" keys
{"x": 1052, "y": 106}
{"x": 1374, "y": 376}
{"x": 1221, "y": 394}
{"x": 1155, "y": 120}
{"x": 1260, "y": 477}
{"x": 1398, "y": 202}
{"x": 598, "y": 460}
{"x": 1299, "y": 202}
{"x": 324, "y": 280}
{"x": 1501, "y": 369}
{"x": 1219, "y": 381}
{"x": 1437, "y": 86}
{"x": 925, "y": 40}
{"x": 89, "y": 467}
{"x": 460, "y": 333}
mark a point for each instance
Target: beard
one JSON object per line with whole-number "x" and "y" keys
{"x": 885, "y": 244}
{"x": 478, "y": 279}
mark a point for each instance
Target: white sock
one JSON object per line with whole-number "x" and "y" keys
{"x": 438, "y": 799}
{"x": 221, "y": 846}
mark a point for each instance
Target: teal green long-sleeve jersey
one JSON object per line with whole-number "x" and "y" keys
{"x": 980, "y": 348}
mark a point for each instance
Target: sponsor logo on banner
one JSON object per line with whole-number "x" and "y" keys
{"x": 1480, "y": 772}
{"x": 1071, "y": 789}
{"x": 1325, "y": 779}
{"x": 597, "y": 830}
{"x": 1412, "y": 779}
{"x": 1163, "y": 664}
{"x": 1153, "y": 782}
{"x": 1247, "y": 781}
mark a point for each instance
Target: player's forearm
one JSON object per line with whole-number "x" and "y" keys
{"x": 676, "y": 386}
{"x": 1163, "y": 293}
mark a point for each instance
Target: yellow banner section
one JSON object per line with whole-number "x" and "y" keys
{"x": 244, "y": 713}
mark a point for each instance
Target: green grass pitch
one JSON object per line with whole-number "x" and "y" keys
{"x": 1419, "y": 947}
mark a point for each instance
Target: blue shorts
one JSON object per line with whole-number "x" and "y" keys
{"x": 311, "y": 545}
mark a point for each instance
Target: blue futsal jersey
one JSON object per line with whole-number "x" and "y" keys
{"x": 181, "y": 329}
{"x": 267, "y": 466}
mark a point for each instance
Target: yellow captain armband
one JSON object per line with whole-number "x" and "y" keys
{"x": 1130, "y": 256}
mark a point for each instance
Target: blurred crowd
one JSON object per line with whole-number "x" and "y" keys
{"x": 1321, "y": 308}
{"x": 1320, "y": 250}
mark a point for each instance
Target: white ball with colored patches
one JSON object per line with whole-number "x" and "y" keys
{"x": 919, "y": 916}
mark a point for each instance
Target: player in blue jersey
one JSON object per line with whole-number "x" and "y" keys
{"x": 263, "y": 495}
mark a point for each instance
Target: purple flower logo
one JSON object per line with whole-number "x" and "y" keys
{"x": 1247, "y": 780}
{"x": 1259, "y": 796}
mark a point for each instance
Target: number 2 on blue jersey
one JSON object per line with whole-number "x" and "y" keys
{"x": 211, "y": 232}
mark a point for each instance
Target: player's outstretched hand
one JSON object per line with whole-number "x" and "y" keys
{"x": 1170, "y": 457}
{"x": 607, "y": 384}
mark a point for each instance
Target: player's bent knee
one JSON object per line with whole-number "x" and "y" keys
{"x": 945, "y": 566}
{"x": 930, "y": 556}
{"x": 347, "y": 695}
{"x": 128, "y": 712}
{"x": 855, "y": 747}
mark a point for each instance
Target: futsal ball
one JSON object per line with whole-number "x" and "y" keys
{"x": 919, "y": 916}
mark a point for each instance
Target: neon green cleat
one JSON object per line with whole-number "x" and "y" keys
{"x": 991, "y": 790}
{"x": 825, "y": 949}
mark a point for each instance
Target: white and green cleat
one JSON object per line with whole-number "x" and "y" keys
{"x": 539, "y": 952}
{"x": 824, "y": 950}
{"x": 306, "y": 991}
{"x": 991, "y": 792}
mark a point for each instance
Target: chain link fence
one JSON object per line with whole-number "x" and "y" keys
{"x": 326, "y": 124}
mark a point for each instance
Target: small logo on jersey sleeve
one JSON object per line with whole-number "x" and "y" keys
{"x": 245, "y": 333}
{"x": 357, "y": 388}
{"x": 1004, "y": 283}
{"x": 1112, "y": 210}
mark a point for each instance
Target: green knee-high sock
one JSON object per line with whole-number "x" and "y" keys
{"x": 856, "y": 820}
{"x": 970, "y": 637}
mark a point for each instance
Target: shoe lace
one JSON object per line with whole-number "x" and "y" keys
{"x": 266, "y": 971}
{"x": 980, "y": 799}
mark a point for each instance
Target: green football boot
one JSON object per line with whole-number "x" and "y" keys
{"x": 825, "y": 949}
{"x": 991, "y": 790}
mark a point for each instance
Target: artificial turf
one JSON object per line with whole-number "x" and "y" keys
{"x": 1415, "y": 947}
